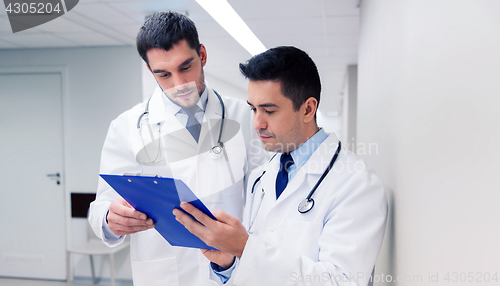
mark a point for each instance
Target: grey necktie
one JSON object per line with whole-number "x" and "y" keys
{"x": 193, "y": 126}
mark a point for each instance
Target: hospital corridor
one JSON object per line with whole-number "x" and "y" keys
{"x": 91, "y": 112}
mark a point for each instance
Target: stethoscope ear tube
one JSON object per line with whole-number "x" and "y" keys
{"x": 140, "y": 118}
{"x": 223, "y": 107}
{"x": 146, "y": 112}
{"x": 256, "y": 181}
{"x": 308, "y": 203}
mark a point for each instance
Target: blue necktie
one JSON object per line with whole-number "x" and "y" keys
{"x": 282, "y": 179}
{"x": 193, "y": 126}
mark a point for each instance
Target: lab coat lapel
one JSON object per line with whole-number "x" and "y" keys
{"x": 171, "y": 128}
{"x": 315, "y": 166}
{"x": 269, "y": 185}
{"x": 210, "y": 177}
{"x": 177, "y": 142}
{"x": 156, "y": 107}
{"x": 292, "y": 186}
{"x": 212, "y": 116}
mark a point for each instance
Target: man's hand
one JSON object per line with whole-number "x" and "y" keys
{"x": 226, "y": 233}
{"x": 124, "y": 219}
{"x": 223, "y": 259}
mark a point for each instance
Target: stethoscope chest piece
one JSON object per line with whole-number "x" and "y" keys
{"x": 306, "y": 205}
{"x": 216, "y": 152}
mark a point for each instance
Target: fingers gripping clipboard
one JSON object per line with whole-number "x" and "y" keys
{"x": 157, "y": 197}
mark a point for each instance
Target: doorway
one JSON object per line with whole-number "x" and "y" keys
{"x": 32, "y": 204}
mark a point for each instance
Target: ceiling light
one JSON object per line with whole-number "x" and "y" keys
{"x": 225, "y": 15}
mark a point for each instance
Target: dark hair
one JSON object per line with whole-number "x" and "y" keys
{"x": 163, "y": 30}
{"x": 291, "y": 67}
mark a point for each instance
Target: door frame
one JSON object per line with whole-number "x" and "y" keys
{"x": 63, "y": 72}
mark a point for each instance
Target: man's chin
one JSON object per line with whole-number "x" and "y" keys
{"x": 187, "y": 104}
{"x": 270, "y": 147}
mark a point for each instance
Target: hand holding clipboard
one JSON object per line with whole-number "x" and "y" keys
{"x": 157, "y": 197}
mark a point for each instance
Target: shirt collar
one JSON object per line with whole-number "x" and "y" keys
{"x": 304, "y": 152}
{"x": 174, "y": 108}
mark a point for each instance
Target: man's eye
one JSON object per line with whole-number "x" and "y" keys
{"x": 269, "y": 111}
{"x": 253, "y": 109}
{"x": 165, "y": 75}
{"x": 185, "y": 68}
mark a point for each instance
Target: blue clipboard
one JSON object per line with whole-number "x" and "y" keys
{"x": 157, "y": 197}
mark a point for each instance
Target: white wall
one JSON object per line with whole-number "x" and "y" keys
{"x": 331, "y": 124}
{"x": 101, "y": 83}
{"x": 429, "y": 96}
{"x": 350, "y": 108}
{"x": 226, "y": 88}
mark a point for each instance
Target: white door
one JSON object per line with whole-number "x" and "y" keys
{"x": 32, "y": 224}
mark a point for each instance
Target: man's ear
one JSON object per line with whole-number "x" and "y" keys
{"x": 203, "y": 55}
{"x": 309, "y": 108}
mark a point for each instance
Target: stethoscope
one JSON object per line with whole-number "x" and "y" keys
{"x": 215, "y": 152}
{"x": 305, "y": 205}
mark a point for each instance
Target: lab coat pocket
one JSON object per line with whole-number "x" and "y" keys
{"x": 301, "y": 238}
{"x": 160, "y": 272}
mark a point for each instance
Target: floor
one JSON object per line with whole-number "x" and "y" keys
{"x": 31, "y": 282}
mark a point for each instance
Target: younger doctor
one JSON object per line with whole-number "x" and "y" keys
{"x": 171, "y": 135}
{"x": 332, "y": 238}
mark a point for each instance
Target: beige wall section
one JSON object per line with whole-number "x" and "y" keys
{"x": 429, "y": 96}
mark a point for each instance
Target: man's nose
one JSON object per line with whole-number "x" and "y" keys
{"x": 259, "y": 121}
{"x": 179, "y": 81}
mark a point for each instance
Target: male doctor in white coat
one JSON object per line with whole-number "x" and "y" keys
{"x": 334, "y": 240}
{"x": 171, "y": 135}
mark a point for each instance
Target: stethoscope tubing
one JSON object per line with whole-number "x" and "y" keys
{"x": 332, "y": 161}
{"x": 309, "y": 198}
{"x": 223, "y": 107}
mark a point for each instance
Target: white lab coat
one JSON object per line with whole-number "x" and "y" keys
{"x": 219, "y": 183}
{"x": 341, "y": 234}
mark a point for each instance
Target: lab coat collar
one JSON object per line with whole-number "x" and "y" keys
{"x": 157, "y": 107}
{"x": 174, "y": 108}
{"x": 159, "y": 112}
{"x": 213, "y": 108}
{"x": 323, "y": 154}
{"x": 302, "y": 154}
{"x": 321, "y": 158}
{"x": 317, "y": 164}
{"x": 212, "y": 115}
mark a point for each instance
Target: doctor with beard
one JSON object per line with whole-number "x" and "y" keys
{"x": 171, "y": 135}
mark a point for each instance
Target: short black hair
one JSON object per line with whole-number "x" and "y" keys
{"x": 165, "y": 29}
{"x": 291, "y": 67}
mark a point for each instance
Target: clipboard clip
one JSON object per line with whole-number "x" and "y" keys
{"x": 141, "y": 175}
